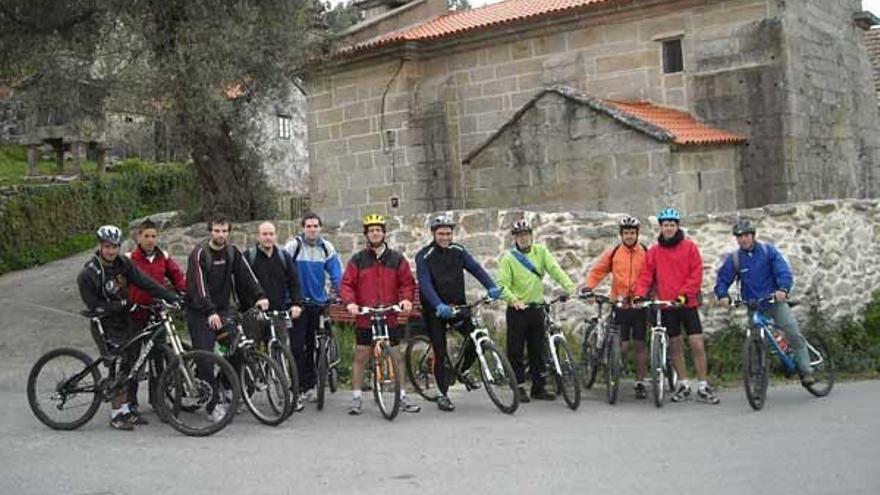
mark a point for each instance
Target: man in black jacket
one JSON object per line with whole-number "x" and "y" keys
{"x": 215, "y": 272}
{"x": 103, "y": 286}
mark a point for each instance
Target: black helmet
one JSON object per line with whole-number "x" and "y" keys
{"x": 743, "y": 226}
{"x": 520, "y": 226}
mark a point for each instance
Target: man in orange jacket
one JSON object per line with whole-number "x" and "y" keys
{"x": 624, "y": 262}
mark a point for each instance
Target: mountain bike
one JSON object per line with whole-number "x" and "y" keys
{"x": 386, "y": 380}
{"x": 763, "y": 335}
{"x": 559, "y": 358}
{"x": 326, "y": 354}
{"x": 663, "y": 374}
{"x": 601, "y": 346}
{"x": 65, "y": 386}
{"x": 495, "y": 370}
{"x": 264, "y": 386}
{"x": 279, "y": 350}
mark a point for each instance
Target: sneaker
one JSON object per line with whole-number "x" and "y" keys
{"x": 707, "y": 395}
{"x": 137, "y": 419}
{"x": 681, "y": 394}
{"x": 408, "y": 405}
{"x": 356, "y": 406}
{"x": 218, "y": 413}
{"x": 298, "y": 404}
{"x": 641, "y": 390}
{"x": 542, "y": 394}
{"x": 122, "y": 421}
{"x": 444, "y": 404}
{"x": 523, "y": 396}
{"x": 469, "y": 382}
{"x": 808, "y": 379}
{"x": 311, "y": 395}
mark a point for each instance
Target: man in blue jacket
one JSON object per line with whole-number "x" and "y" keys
{"x": 764, "y": 276}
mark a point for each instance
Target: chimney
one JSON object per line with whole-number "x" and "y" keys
{"x": 373, "y": 8}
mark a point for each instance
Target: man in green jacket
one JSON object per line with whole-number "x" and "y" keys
{"x": 521, "y": 273}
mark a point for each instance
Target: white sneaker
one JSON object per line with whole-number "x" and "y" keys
{"x": 218, "y": 413}
{"x": 311, "y": 395}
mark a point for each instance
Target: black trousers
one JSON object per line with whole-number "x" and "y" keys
{"x": 526, "y": 328}
{"x": 302, "y": 345}
{"x": 436, "y": 329}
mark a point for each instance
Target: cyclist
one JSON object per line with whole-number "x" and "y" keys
{"x": 158, "y": 265}
{"x": 675, "y": 268}
{"x": 763, "y": 273}
{"x": 624, "y": 262}
{"x": 520, "y": 273}
{"x": 277, "y": 274}
{"x": 216, "y": 271}
{"x": 104, "y": 284}
{"x": 376, "y": 276}
{"x": 440, "y": 268}
{"x": 316, "y": 260}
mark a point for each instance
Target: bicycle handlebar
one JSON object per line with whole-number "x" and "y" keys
{"x": 367, "y": 310}
{"x": 647, "y": 303}
{"x": 754, "y": 303}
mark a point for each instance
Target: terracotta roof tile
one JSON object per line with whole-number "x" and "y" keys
{"x": 684, "y": 128}
{"x": 468, "y": 20}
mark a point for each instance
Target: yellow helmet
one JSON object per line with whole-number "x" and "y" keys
{"x": 374, "y": 219}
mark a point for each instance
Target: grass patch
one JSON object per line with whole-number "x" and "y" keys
{"x": 13, "y": 165}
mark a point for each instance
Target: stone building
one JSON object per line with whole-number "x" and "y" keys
{"x": 416, "y": 109}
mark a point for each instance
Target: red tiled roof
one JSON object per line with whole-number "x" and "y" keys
{"x": 468, "y": 20}
{"x": 684, "y": 128}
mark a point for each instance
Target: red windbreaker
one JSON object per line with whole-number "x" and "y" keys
{"x": 371, "y": 281}
{"x": 158, "y": 268}
{"x": 673, "y": 271}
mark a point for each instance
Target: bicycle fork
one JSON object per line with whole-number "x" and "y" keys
{"x": 552, "y": 337}
{"x": 478, "y": 336}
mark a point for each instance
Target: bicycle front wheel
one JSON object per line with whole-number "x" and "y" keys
{"x": 567, "y": 383}
{"x": 658, "y": 370}
{"x": 419, "y": 359}
{"x": 284, "y": 359}
{"x": 590, "y": 356}
{"x": 332, "y": 364}
{"x": 201, "y": 393}
{"x": 823, "y": 365}
{"x": 612, "y": 366}
{"x": 62, "y": 391}
{"x": 264, "y": 388}
{"x": 754, "y": 369}
{"x": 321, "y": 373}
{"x": 498, "y": 378}
{"x": 386, "y": 386}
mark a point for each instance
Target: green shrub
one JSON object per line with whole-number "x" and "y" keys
{"x": 130, "y": 165}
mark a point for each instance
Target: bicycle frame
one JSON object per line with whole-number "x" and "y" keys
{"x": 764, "y": 324}
{"x": 553, "y": 332}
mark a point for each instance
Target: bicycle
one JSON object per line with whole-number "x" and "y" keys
{"x": 264, "y": 386}
{"x": 326, "y": 354}
{"x": 496, "y": 372}
{"x": 385, "y": 373}
{"x": 279, "y": 350}
{"x": 601, "y": 346}
{"x": 763, "y": 334}
{"x": 70, "y": 374}
{"x": 663, "y": 374}
{"x": 559, "y": 359}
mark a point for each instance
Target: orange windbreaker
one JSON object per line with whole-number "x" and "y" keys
{"x": 625, "y": 269}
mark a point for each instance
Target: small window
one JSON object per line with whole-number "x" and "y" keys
{"x": 284, "y": 127}
{"x": 672, "y": 58}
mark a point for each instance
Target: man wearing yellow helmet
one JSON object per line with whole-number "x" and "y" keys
{"x": 376, "y": 276}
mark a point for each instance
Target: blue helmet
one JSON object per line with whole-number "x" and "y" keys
{"x": 669, "y": 214}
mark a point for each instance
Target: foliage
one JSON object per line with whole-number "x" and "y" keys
{"x": 459, "y": 5}
{"x": 341, "y": 16}
{"x": 13, "y": 165}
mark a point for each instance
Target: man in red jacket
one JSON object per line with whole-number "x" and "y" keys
{"x": 159, "y": 266}
{"x": 376, "y": 276}
{"x": 674, "y": 268}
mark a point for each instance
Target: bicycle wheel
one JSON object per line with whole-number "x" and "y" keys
{"x": 283, "y": 357}
{"x": 590, "y": 356}
{"x": 567, "y": 383}
{"x": 321, "y": 373}
{"x": 419, "y": 359}
{"x": 754, "y": 369}
{"x": 332, "y": 369}
{"x": 498, "y": 379}
{"x": 386, "y": 386}
{"x": 658, "y": 370}
{"x": 822, "y": 363}
{"x": 187, "y": 391}
{"x": 612, "y": 367}
{"x": 62, "y": 392}
{"x": 264, "y": 388}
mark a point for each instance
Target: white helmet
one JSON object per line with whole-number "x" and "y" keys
{"x": 109, "y": 234}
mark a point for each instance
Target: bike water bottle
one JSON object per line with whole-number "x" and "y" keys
{"x": 780, "y": 340}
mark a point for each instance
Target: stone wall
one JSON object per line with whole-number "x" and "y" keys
{"x": 833, "y": 246}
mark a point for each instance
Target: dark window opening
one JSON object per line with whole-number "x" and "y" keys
{"x": 673, "y": 61}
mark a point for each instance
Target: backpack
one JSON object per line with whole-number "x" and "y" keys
{"x": 286, "y": 260}
{"x": 299, "y": 243}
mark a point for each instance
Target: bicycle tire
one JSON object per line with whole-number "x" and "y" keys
{"x": 658, "y": 370}
{"x": 755, "y": 371}
{"x": 498, "y": 378}
{"x": 418, "y": 358}
{"x": 222, "y": 389}
{"x": 386, "y": 383}
{"x": 52, "y": 390}
{"x": 321, "y": 374}
{"x": 333, "y": 371}
{"x": 285, "y": 360}
{"x": 589, "y": 356}
{"x": 612, "y": 367}
{"x": 260, "y": 376}
{"x": 568, "y": 384}
{"x": 825, "y": 373}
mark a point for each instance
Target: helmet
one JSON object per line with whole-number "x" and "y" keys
{"x": 520, "y": 226}
{"x": 629, "y": 222}
{"x": 109, "y": 234}
{"x": 669, "y": 214}
{"x": 743, "y": 226}
{"x": 442, "y": 221}
{"x": 373, "y": 219}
